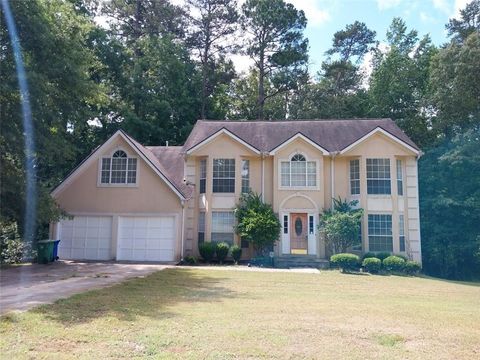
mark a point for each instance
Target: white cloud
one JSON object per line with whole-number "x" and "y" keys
{"x": 387, "y": 4}
{"x": 443, "y": 6}
{"x": 316, "y": 14}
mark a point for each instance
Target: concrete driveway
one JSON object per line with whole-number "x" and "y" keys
{"x": 24, "y": 287}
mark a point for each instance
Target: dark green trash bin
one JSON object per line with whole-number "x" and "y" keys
{"x": 45, "y": 251}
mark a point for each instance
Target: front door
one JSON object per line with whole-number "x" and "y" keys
{"x": 298, "y": 233}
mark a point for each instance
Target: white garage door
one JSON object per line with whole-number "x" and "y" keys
{"x": 86, "y": 238}
{"x": 146, "y": 238}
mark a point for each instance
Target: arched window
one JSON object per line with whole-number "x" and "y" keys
{"x": 298, "y": 172}
{"x": 119, "y": 169}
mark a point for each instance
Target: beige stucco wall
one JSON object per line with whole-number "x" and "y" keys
{"x": 151, "y": 196}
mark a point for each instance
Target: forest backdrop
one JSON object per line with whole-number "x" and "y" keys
{"x": 157, "y": 68}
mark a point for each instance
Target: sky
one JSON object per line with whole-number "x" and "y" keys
{"x": 325, "y": 17}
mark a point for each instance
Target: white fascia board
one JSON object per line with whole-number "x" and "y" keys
{"x": 218, "y": 133}
{"x": 304, "y": 138}
{"x": 381, "y": 131}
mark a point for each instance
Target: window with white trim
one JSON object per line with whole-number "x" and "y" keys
{"x": 298, "y": 172}
{"x": 380, "y": 236}
{"x": 119, "y": 169}
{"x": 401, "y": 232}
{"x": 378, "y": 176}
{"x": 201, "y": 227}
{"x": 399, "y": 178}
{"x": 285, "y": 224}
{"x": 311, "y": 225}
{"x": 223, "y": 226}
{"x": 245, "y": 176}
{"x": 203, "y": 176}
{"x": 223, "y": 175}
{"x": 355, "y": 177}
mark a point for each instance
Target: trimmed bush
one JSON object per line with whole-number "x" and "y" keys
{"x": 402, "y": 256}
{"x": 207, "y": 251}
{"x": 347, "y": 262}
{"x": 369, "y": 255}
{"x": 236, "y": 253}
{"x": 372, "y": 265}
{"x": 412, "y": 267}
{"x": 394, "y": 263}
{"x": 190, "y": 260}
{"x": 222, "y": 251}
{"x": 382, "y": 255}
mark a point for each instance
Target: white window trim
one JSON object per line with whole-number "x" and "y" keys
{"x": 232, "y": 193}
{"x": 368, "y": 234}
{"x": 384, "y": 179}
{"x": 355, "y": 196}
{"x": 402, "y": 172}
{"x": 99, "y": 171}
{"x": 307, "y": 159}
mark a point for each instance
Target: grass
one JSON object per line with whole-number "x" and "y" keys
{"x": 223, "y": 314}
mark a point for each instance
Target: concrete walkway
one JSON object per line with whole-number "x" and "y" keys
{"x": 24, "y": 287}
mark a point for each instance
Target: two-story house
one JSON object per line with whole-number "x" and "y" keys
{"x": 157, "y": 203}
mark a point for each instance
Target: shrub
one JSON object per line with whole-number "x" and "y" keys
{"x": 222, "y": 251}
{"x": 372, "y": 265}
{"x": 412, "y": 267}
{"x": 369, "y": 255}
{"x": 236, "y": 253}
{"x": 207, "y": 251}
{"x": 394, "y": 263}
{"x": 190, "y": 260}
{"x": 341, "y": 226}
{"x": 347, "y": 262}
{"x": 402, "y": 256}
{"x": 382, "y": 255}
{"x": 13, "y": 249}
{"x": 257, "y": 222}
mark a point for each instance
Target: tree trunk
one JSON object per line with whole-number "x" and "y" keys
{"x": 261, "y": 89}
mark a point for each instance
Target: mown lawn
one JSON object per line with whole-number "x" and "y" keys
{"x": 224, "y": 314}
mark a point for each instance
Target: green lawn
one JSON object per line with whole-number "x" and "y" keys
{"x": 219, "y": 314}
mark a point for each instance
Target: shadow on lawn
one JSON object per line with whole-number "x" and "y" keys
{"x": 149, "y": 296}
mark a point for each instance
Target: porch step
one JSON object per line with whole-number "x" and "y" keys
{"x": 299, "y": 261}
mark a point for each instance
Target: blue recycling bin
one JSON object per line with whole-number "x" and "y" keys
{"x": 55, "y": 250}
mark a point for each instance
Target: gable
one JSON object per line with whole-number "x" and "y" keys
{"x": 223, "y": 144}
{"x": 298, "y": 145}
{"x": 117, "y": 141}
{"x": 378, "y": 143}
{"x": 150, "y": 195}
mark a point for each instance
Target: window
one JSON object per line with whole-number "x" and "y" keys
{"x": 359, "y": 245}
{"x": 223, "y": 175}
{"x": 380, "y": 232}
{"x": 355, "y": 177}
{"x": 311, "y": 225}
{"x": 401, "y": 233}
{"x": 203, "y": 175}
{"x": 222, "y": 226}
{"x": 119, "y": 169}
{"x": 201, "y": 227}
{"x": 245, "y": 176}
{"x": 378, "y": 176}
{"x": 285, "y": 224}
{"x": 399, "y": 178}
{"x": 298, "y": 172}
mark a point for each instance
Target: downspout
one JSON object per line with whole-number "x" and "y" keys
{"x": 332, "y": 175}
{"x": 263, "y": 176}
{"x": 183, "y": 229}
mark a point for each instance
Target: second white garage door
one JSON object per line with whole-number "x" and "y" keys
{"x": 146, "y": 238}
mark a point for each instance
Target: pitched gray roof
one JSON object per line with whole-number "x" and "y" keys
{"x": 332, "y": 135}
